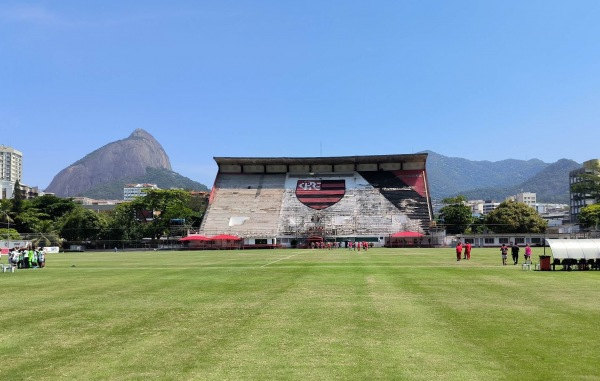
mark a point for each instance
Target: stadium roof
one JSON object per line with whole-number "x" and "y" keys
{"x": 417, "y": 157}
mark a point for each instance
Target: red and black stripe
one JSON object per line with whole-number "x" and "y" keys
{"x": 330, "y": 192}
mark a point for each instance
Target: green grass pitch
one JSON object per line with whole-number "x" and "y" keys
{"x": 384, "y": 314}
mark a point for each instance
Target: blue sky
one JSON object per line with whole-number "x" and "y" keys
{"x": 482, "y": 80}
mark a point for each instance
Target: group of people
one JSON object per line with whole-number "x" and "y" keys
{"x": 350, "y": 245}
{"x": 514, "y": 251}
{"x": 27, "y": 258}
{"x": 463, "y": 251}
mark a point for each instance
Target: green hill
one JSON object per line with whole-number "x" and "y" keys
{"x": 163, "y": 178}
{"x": 486, "y": 180}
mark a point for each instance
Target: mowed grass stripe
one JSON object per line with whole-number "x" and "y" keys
{"x": 382, "y": 314}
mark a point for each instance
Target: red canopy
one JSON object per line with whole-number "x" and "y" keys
{"x": 195, "y": 238}
{"x": 407, "y": 235}
{"x": 225, "y": 237}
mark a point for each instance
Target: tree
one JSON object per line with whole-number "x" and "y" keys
{"x": 82, "y": 225}
{"x": 124, "y": 224}
{"x": 48, "y": 234}
{"x": 5, "y": 217}
{"x": 9, "y": 234}
{"x": 589, "y": 216}
{"x": 167, "y": 205}
{"x": 53, "y": 207}
{"x": 515, "y": 217}
{"x": 153, "y": 215}
{"x": 28, "y": 218}
{"x": 477, "y": 226}
{"x": 17, "y": 199}
{"x": 456, "y": 215}
{"x": 5, "y": 207}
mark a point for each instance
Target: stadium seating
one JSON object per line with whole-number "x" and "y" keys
{"x": 245, "y": 205}
{"x": 263, "y": 205}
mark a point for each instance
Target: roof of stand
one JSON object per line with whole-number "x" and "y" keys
{"x": 575, "y": 248}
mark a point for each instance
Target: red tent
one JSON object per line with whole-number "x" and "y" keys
{"x": 404, "y": 239}
{"x": 225, "y": 237}
{"x": 407, "y": 235}
{"x": 195, "y": 238}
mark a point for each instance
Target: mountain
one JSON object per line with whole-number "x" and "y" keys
{"x": 137, "y": 159}
{"x": 552, "y": 183}
{"x": 140, "y": 159}
{"x": 486, "y": 180}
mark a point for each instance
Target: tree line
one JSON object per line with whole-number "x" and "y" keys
{"x": 53, "y": 221}
{"x": 509, "y": 217}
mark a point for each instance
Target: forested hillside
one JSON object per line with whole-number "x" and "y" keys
{"x": 486, "y": 180}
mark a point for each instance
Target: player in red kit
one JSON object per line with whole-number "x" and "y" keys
{"x": 459, "y": 249}
{"x": 468, "y": 250}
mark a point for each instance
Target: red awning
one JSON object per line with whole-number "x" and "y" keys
{"x": 225, "y": 237}
{"x": 195, "y": 238}
{"x": 407, "y": 235}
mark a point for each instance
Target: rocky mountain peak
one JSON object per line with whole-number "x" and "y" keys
{"x": 117, "y": 160}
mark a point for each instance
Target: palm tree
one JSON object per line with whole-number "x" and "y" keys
{"x": 48, "y": 234}
{"x": 5, "y": 216}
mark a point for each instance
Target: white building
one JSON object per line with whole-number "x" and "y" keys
{"x": 476, "y": 207}
{"x": 526, "y": 198}
{"x": 11, "y": 170}
{"x": 131, "y": 191}
{"x": 489, "y": 205}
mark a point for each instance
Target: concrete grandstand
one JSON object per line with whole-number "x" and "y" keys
{"x": 284, "y": 201}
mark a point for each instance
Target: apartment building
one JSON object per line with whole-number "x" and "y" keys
{"x": 131, "y": 191}
{"x": 578, "y": 200}
{"x": 11, "y": 170}
{"x": 528, "y": 198}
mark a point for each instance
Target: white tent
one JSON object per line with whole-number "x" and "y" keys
{"x": 575, "y": 248}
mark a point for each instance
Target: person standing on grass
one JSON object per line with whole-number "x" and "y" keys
{"x": 527, "y": 252}
{"x": 31, "y": 252}
{"x": 26, "y": 258}
{"x": 42, "y": 259}
{"x": 515, "y": 252}
{"x": 468, "y": 250}
{"x": 33, "y": 258}
{"x": 504, "y": 252}
{"x": 458, "y": 250}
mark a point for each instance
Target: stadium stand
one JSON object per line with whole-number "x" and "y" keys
{"x": 245, "y": 205}
{"x": 281, "y": 200}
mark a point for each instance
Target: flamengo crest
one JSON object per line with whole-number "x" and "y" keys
{"x": 320, "y": 194}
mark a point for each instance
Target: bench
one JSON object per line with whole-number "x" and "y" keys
{"x": 569, "y": 264}
{"x": 8, "y": 268}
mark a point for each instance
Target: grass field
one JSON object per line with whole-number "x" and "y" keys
{"x": 385, "y": 314}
